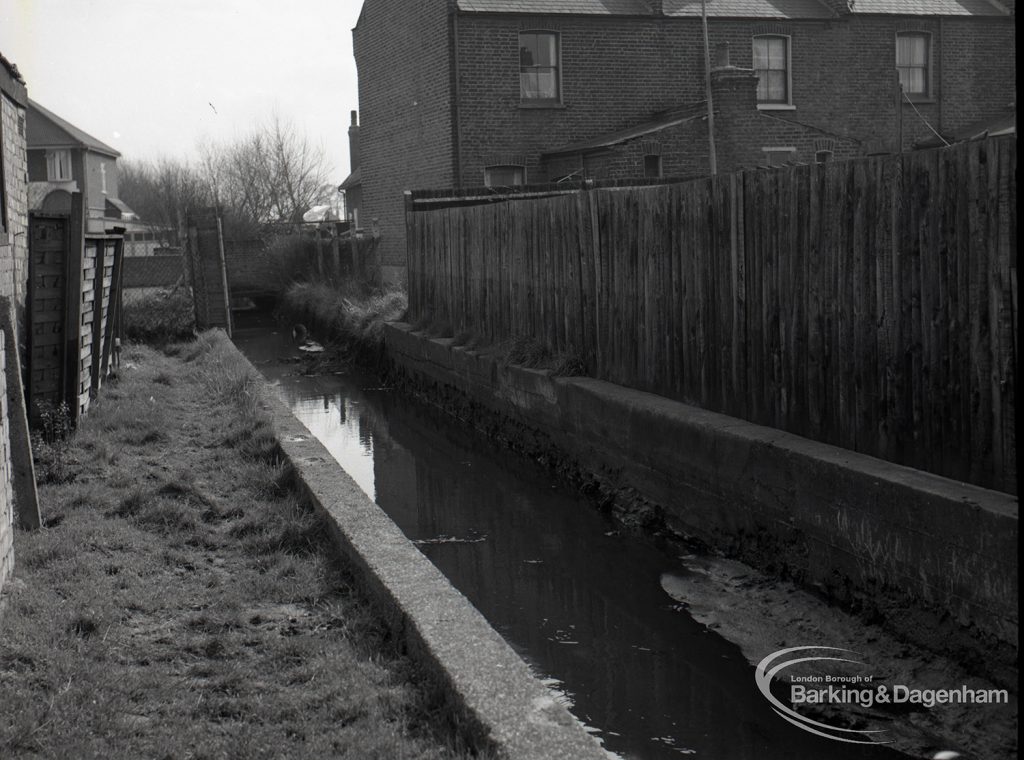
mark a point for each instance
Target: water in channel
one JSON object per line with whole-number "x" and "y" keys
{"x": 579, "y": 599}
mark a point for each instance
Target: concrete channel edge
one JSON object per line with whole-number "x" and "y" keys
{"x": 865, "y": 531}
{"x": 495, "y": 702}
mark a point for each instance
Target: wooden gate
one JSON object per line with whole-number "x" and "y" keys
{"x": 207, "y": 265}
{"x": 74, "y": 305}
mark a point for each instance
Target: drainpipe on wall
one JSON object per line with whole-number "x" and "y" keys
{"x": 456, "y": 125}
{"x": 712, "y": 158}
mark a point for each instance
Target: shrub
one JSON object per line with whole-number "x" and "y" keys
{"x": 160, "y": 318}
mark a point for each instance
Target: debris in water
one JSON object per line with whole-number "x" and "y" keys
{"x": 443, "y": 539}
{"x": 311, "y": 347}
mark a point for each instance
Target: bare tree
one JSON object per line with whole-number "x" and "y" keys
{"x": 162, "y": 193}
{"x": 273, "y": 174}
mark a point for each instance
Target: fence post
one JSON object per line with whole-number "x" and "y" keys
{"x": 224, "y": 276}
{"x": 73, "y": 305}
{"x": 595, "y": 244}
{"x": 409, "y": 254}
{"x": 113, "y": 306}
{"x": 100, "y": 311}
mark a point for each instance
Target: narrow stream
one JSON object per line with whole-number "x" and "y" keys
{"x": 581, "y": 601}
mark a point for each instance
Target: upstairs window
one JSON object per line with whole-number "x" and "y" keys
{"x": 652, "y": 166}
{"x": 771, "y": 64}
{"x": 913, "y": 62}
{"x": 538, "y": 67}
{"x": 504, "y": 176}
{"x": 58, "y": 165}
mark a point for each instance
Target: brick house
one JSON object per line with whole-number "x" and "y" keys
{"x": 62, "y": 159}
{"x": 464, "y": 93}
{"x": 13, "y": 276}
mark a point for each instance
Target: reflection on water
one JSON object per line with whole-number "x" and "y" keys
{"x": 580, "y": 601}
{"x": 335, "y": 421}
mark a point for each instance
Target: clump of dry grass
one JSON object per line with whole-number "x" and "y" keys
{"x": 344, "y": 313}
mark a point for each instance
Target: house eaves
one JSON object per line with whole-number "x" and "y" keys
{"x": 46, "y": 129}
{"x": 561, "y": 7}
{"x": 929, "y": 8}
{"x": 352, "y": 180}
{"x": 609, "y": 140}
{"x": 776, "y": 9}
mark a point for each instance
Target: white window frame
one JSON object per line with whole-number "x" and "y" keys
{"x": 779, "y": 105}
{"x": 929, "y": 66}
{"x": 488, "y": 169}
{"x": 54, "y": 165}
{"x": 771, "y": 151}
{"x": 542, "y": 102}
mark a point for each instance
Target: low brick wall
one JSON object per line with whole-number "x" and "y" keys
{"x": 936, "y": 558}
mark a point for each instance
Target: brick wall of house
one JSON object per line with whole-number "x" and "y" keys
{"x": 403, "y": 57}
{"x": 618, "y": 71}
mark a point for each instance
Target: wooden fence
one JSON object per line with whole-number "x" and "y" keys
{"x": 870, "y": 304}
{"x": 74, "y": 308}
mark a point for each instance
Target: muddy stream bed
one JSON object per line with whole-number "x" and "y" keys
{"x": 650, "y": 646}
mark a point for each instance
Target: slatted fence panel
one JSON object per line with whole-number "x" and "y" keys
{"x": 869, "y": 304}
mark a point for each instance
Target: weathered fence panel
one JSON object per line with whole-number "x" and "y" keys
{"x": 74, "y": 306}
{"x": 870, "y": 304}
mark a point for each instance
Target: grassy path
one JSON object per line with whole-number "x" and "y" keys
{"x": 181, "y": 602}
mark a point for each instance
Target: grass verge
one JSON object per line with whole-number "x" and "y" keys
{"x": 183, "y": 601}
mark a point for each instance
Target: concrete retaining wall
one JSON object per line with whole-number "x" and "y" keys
{"x": 495, "y": 701}
{"x": 936, "y": 558}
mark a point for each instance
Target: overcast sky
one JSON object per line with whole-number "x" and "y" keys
{"x": 158, "y": 77}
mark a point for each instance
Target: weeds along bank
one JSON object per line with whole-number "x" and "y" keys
{"x": 350, "y": 316}
{"x": 180, "y": 581}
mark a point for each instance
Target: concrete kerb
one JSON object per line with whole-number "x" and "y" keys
{"x": 495, "y": 701}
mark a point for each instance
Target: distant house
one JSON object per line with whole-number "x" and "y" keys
{"x": 62, "y": 159}
{"x": 469, "y": 93}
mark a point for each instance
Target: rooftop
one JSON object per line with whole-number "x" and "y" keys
{"x": 47, "y": 130}
{"x": 740, "y": 8}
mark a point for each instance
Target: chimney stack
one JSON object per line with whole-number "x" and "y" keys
{"x": 353, "y": 141}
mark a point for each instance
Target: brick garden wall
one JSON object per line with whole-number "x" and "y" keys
{"x": 14, "y": 246}
{"x": 13, "y": 276}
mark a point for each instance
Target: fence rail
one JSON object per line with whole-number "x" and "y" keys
{"x": 869, "y": 304}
